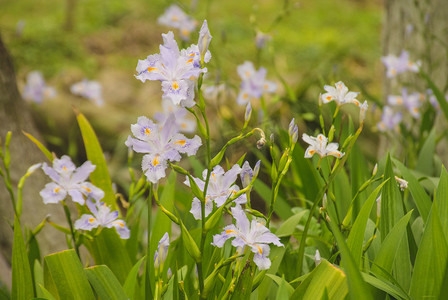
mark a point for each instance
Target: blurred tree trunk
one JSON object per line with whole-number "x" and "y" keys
{"x": 15, "y": 117}
{"x": 421, "y": 28}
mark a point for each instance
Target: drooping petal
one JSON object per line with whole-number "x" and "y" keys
{"x": 76, "y": 196}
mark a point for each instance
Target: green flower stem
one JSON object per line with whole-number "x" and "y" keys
{"x": 148, "y": 292}
{"x": 337, "y": 167}
{"x": 72, "y": 231}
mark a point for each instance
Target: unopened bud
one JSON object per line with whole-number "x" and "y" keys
{"x": 248, "y": 113}
{"x": 169, "y": 273}
{"x": 317, "y": 258}
{"x": 378, "y": 207}
{"x": 375, "y": 169}
{"x": 257, "y": 168}
{"x": 324, "y": 201}
{"x": 362, "y": 111}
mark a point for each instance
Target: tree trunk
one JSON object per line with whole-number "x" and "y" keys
{"x": 421, "y": 28}
{"x": 15, "y": 117}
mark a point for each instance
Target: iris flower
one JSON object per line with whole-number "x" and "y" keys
{"x": 183, "y": 124}
{"x": 175, "y": 69}
{"x": 253, "y": 84}
{"x": 397, "y": 65}
{"x": 389, "y": 119}
{"x": 412, "y": 102}
{"x": 340, "y": 94}
{"x": 220, "y": 187}
{"x": 102, "y": 216}
{"x": 318, "y": 145}
{"x": 162, "y": 142}
{"x": 175, "y": 17}
{"x": 88, "y": 89}
{"x": 251, "y": 234}
{"x": 35, "y": 89}
{"x": 69, "y": 180}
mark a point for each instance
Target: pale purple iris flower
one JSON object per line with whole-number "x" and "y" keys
{"x": 162, "y": 142}
{"x": 162, "y": 251}
{"x": 249, "y": 233}
{"x": 340, "y": 94}
{"x": 89, "y": 89}
{"x": 183, "y": 123}
{"x": 175, "y": 17}
{"x": 261, "y": 39}
{"x": 102, "y": 216}
{"x": 36, "y": 89}
{"x": 412, "y": 102}
{"x": 389, "y": 119}
{"x": 69, "y": 180}
{"x": 175, "y": 69}
{"x": 253, "y": 84}
{"x": 397, "y": 65}
{"x": 220, "y": 188}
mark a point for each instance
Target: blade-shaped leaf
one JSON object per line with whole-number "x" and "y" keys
{"x": 105, "y": 283}
{"x": 65, "y": 278}
{"x": 22, "y": 282}
{"x": 100, "y": 176}
{"x": 356, "y": 237}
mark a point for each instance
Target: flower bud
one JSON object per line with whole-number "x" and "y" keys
{"x": 375, "y": 170}
{"x": 402, "y": 183}
{"x": 248, "y": 113}
{"x": 362, "y": 111}
{"x": 204, "y": 40}
{"x": 317, "y": 258}
{"x": 378, "y": 207}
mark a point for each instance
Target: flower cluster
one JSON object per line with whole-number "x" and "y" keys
{"x": 252, "y": 234}
{"x": 162, "y": 143}
{"x": 397, "y": 65}
{"x": 177, "y": 70}
{"x": 35, "y": 89}
{"x": 220, "y": 187}
{"x": 69, "y": 180}
{"x": 88, "y": 89}
{"x": 253, "y": 84}
{"x": 175, "y": 17}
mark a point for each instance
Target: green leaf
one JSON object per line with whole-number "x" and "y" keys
{"x": 421, "y": 199}
{"x": 325, "y": 277}
{"x": 42, "y": 148}
{"x": 390, "y": 246}
{"x": 65, "y": 278}
{"x": 441, "y": 201}
{"x": 105, "y": 284}
{"x": 357, "y": 287}
{"x": 425, "y": 162}
{"x": 356, "y": 237}
{"x": 46, "y": 293}
{"x": 288, "y": 227}
{"x": 108, "y": 249}
{"x": 385, "y": 286}
{"x": 22, "y": 282}
{"x": 131, "y": 283}
{"x": 38, "y": 278}
{"x": 100, "y": 176}
{"x": 284, "y": 287}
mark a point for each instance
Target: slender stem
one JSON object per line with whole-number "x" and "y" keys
{"x": 148, "y": 292}
{"x": 70, "y": 224}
